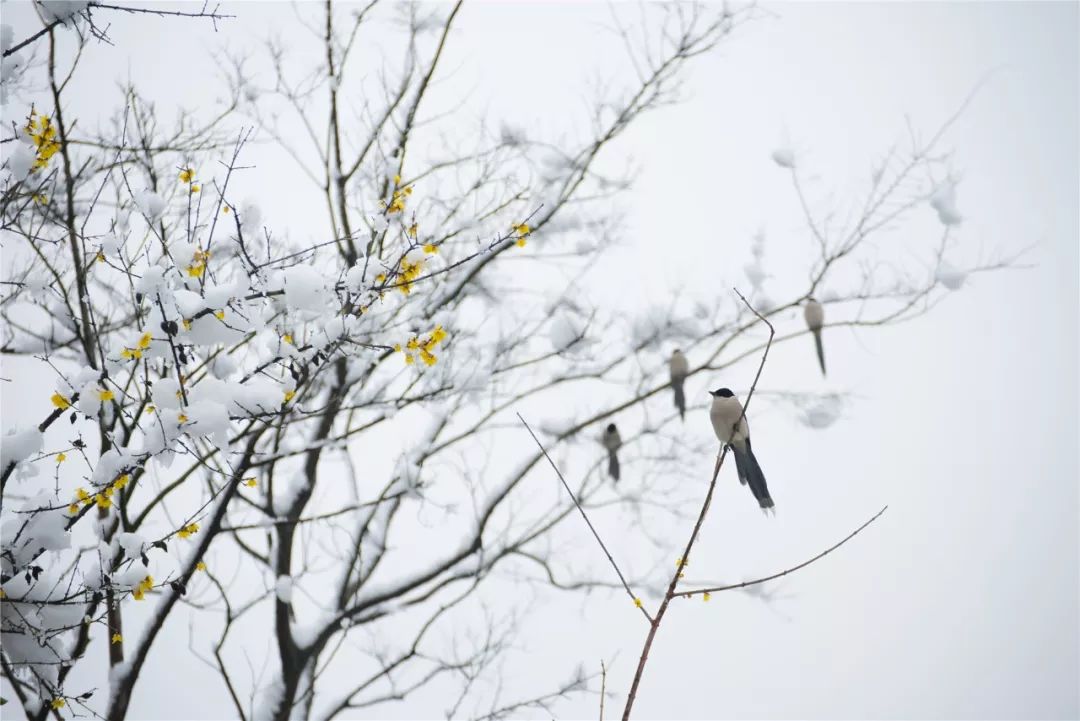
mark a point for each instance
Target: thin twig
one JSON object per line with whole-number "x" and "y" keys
{"x": 804, "y": 564}
{"x": 603, "y": 687}
{"x": 584, "y": 515}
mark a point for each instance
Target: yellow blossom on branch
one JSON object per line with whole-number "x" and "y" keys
{"x": 43, "y": 133}
{"x": 60, "y": 401}
{"x": 200, "y": 566}
{"x": 637, "y": 602}
{"x": 187, "y": 175}
{"x": 117, "y": 638}
{"x": 250, "y": 482}
{"x": 59, "y": 703}
{"x": 104, "y": 394}
{"x": 61, "y": 457}
{"x": 706, "y": 596}
{"x": 188, "y": 530}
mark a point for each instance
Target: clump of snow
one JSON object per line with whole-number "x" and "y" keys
{"x": 943, "y": 200}
{"x": 950, "y": 276}
{"x": 150, "y": 204}
{"x": 821, "y": 412}
{"x": 20, "y": 160}
{"x": 305, "y": 289}
{"x": 283, "y": 588}
{"x": 61, "y": 10}
{"x": 18, "y": 445}
{"x": 784, "y": 157}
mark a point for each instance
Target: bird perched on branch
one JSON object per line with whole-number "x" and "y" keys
{"x": 732, "y": 430}
{"x": 612, "y": 441}
{"x": 815, "y": 321}
{"x": 679, "y": 367}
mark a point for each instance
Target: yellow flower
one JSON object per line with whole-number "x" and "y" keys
{"x": 196, "y": 270}
{"x": 380, "y": 278}
{"x": 131, "y": 353}
{"x": 637, "y": 602}
{"x": 117, "y": 638}
{"x": 289, "y": 395}
{"x": 61, "y": 457}
{"x": 408, "y": 190}
{"x": 706, "y": 596}
{"x": 81, "y": 494}
{"x": 412, "y": 231}
{"x": 250, "y": 482}
{"x": 431, "y": 249}
{"x": 102, "y": 501}
{"x": 181, "y": 418}
{"x": 220, "y": 315}
{"x": 144, "y": 342}
{"x": 428, "y": 358}
{"x": 59, "y": 703}
{"x": 438, "y": 335}
{"x": 187, "y": 324}
{"x": 121, "y": 481}
{"x": 409, "y": 360}
{"x": 188, "y": 530}
{"x": 200, "y": 566}
{"x": 40, "y": 198}
{"x": 104, "y": 394}
{"x": 150, "y": 408}
{"x": 73, "y": 509}
{"x": 43, "y": 133}
{"x": 225, "y": 210}
{"x": 100, "y": 257}
{"x": 60, "y": 402}
{"x": 287, "y": 338}
{"x": 108, "y": 491}
{"x": 397, "y": 347}
{"x": 520, "y": 242}
{"x": 680, "y": 563}
{"x": 138, "y": 594}
{"x": 397, "y": 180}
{"x": 187, "y": 175}
{"x": 522, "y": 228}
{"x": 194, "y": 188}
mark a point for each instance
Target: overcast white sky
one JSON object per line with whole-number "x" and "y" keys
{"x": 962, "y": 602}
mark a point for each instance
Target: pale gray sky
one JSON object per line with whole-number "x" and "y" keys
{"x": 962, "y": 601}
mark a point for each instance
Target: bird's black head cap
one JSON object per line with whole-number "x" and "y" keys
{"x": 611, "y": 428}
{"x": 722, "y": 393}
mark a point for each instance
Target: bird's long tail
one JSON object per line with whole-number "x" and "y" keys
{"x": 750, "y": 473}
{"x": 680, "y": 397}
{"x": 820, "y": 350}
{"x": 613, "y": 465}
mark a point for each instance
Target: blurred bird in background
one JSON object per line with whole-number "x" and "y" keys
{"x": 679, "y": 368}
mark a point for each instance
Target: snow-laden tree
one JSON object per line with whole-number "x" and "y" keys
{"x": 311, "y": 446}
